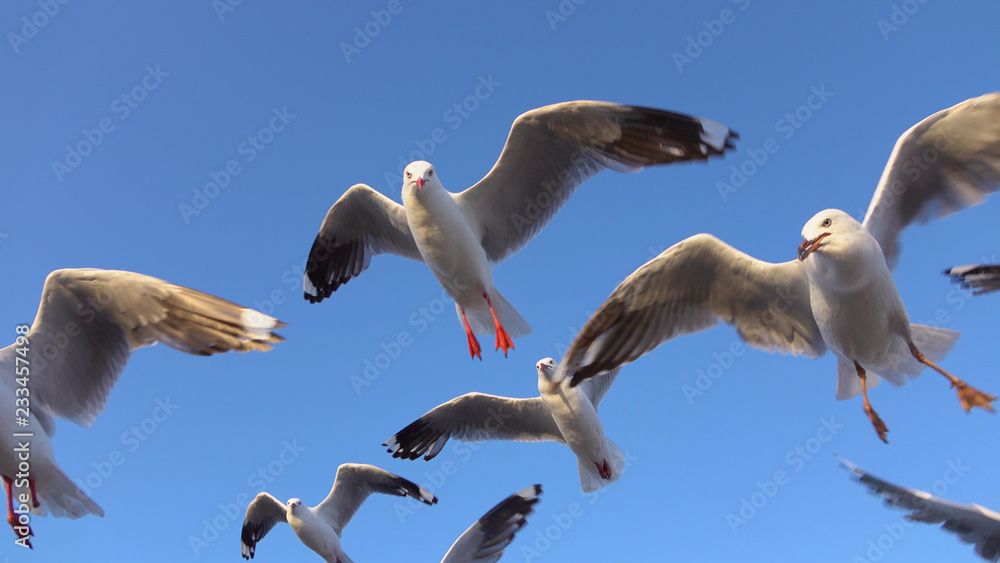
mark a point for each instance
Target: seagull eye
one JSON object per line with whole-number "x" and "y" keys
{"x": 827, "y": 222}
{"x": 409, "y": 174}
{"x": 430, "y": 173}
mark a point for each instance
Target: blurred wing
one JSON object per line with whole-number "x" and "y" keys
{"x": 553, "y": 149}
{"x": 596, "y": 387}
{"x": 945, "y": 163}
{"x": 363, "y": 223}
{"x": 972, "y": 523}
{"x": 690, "y": 287}
{"x": 485, "y": 541}
{"x": 89, "y": 321}
{"x": 475, "y": 417}
{"x": 982, "y": 278}
{"x": 263, "y": 513}
{"x": 355, "y": 483}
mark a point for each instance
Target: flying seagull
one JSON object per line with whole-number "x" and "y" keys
{"x": 839, "y": 294}
{"x": 88, "y": 324}
{"x": 974, "y": 524}
{"x": 561, "y": 414}
{"x": 550, "y": 151}
{"x": 320, "y": 527}
{"x": 486, "y": 540}
{"x": 981, "y": 278}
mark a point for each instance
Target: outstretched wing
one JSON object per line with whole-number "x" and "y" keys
{"x": 553, "y": 149}
{"x": 355, "y": 483}
{"x": 690, "y": 287}
{"x": 981, "y": 278}
{"x": 944, "y": 163}
{"x": 486, "y": 539}
{"x": 262, "y": 514}
{"x": 89, "y": 321}
{"x": 475, "y": 417}
{"x": 972, "y": 523}
{"x": 363, "y": 223}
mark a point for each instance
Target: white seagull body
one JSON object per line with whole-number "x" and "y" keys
{"x": 320, "y": 527}
{"x": 89, "y": 322}
{"x": 838, "y": 295}
{"x": 561, "y": 413}
{"x": 486, "y": 539}
{"x": 972, "y": 523}
{"x": 550, "y": 151}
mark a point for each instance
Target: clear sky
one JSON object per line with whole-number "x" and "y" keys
{"x": 290, "y": 105}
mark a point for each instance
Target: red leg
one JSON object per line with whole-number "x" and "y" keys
{"x": 603, "y": 470}
{"x": 474, "y": 349}
{"x": 34, "y": 493}
{"x": 503, "y": 339}
{"x": 11, "y": 517}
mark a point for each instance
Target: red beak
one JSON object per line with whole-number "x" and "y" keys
{"x": 420, "y": 183}
{"x": 809, "y": 246}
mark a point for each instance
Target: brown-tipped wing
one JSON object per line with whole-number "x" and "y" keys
{"x": 361, "y": 224}
{"x": 690, "y": 287}
{"x": 553, "y": 149}
{"x": 89, "y": 322}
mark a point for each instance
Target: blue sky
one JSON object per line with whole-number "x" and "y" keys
{"x": 268, "y": 101}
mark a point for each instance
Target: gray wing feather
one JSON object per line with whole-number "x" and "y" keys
{"x": 89, "y": 322}
{"x": 475, "y": 417}
{"x": 262, "y": 514}
{"x": 972, "y": 523}
{"x": 690, "y": 287}
{"x": 355, "y": 483}
{"x": 553, "y": 149}
{"x": 361, "y": 224}
{"x": 944, "y": 163}
{"x": 486, "y": 540}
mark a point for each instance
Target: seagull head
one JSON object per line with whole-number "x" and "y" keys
{"x": 547, "y": 379}
{"x": 827, "y": 230}
{"x": 419, "y": 173}
{"x": 294, "y": 503}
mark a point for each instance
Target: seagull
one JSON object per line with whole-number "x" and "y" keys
{"x": 839, "y": 294}
{"x": 88, "y": 323}
{"x": 550, "y": 151}
{"x": 486, "y": 540}
{"x": 319, "y": 527}
{"x": 974, "y": 524}
{"x": 982, "y": 278}
{"x": 560, "y": 414}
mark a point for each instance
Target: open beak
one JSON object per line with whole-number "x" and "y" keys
{"x": 420, "y": 183}
{"x": 809, "y": 246}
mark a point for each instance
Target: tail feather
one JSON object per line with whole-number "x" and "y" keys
{"x": 590, "y": 477}
{"x": 61, "y": 497}
{"x": 481, "y": 320}
{"x": 933, "y": 342}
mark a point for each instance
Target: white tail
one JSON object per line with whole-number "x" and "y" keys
{"x": 933, "y": 342}
{"x": 590, "y": 478}
{"x": 60, "y": 496}
{"x": 481, "y": 321}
